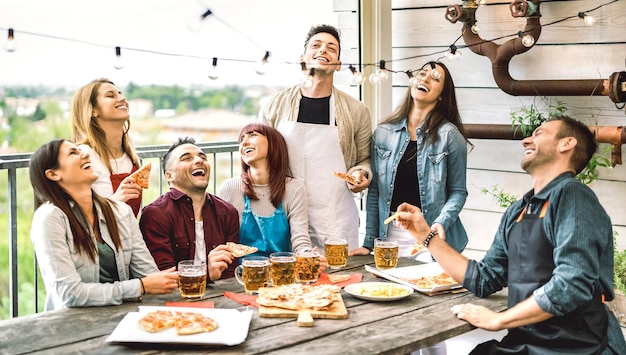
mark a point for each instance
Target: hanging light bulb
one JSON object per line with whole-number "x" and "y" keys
{"x": 527, "y": 39}
{"x": 588, "y": 19}
{"x": 482, "y": 2}
{"x": 307, "y": 81}
{"x": 10, "y": 45}
{"x": 383, "y": 73}
{"x": 357, "y": 77}
{"x": 475, "y": 28}
{"x": 118, "y": 62}
{"x": 413, "y": 81}
{"x": 434, "y": 72}
{"x": 196, "y": 22}
{"x": 261, "y": 68}
{"x": 374, "y": 78}
{"x": 213, "y": 75}
{"x": 453, "y": 53}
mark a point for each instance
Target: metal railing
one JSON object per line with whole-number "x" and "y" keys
{"x": 223, "y": 153}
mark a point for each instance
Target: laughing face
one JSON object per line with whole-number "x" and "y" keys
{"x": 541, "y": 148}
{"x": 427, "y": 86}
{"x": 74, "y": 167}
{"x": 110, "y": 104}
{"x": 253, "y": 148}
{"x": 188, "y": 169}
{"x": 322, "y": 53}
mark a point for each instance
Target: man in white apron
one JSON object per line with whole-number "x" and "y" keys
{"x": 326, "y": 130}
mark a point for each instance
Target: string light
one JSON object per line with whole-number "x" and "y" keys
{"x": 527, "y": 39}
{"x": 381, "y": 74}
{"x": 357, "y": 76}
{"x": 475, "y": 28}
{"x": 453, "y": 53}
{"x": 307, "y": 81}
{"x": 195, "y": 24}
{"x": 434, "y": 73}
{"x": 213, "y": 75}
{"x": 261, "y": 67}
{"x": 118, "y": 62}
{"x": 588, "y": 19}
{"x": 10, "y": 45}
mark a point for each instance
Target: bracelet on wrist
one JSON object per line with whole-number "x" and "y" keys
{"x": 143, "y": 289}
{"x": 430, "y": 236}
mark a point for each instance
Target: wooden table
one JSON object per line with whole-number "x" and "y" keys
{"x": 397, "y": 327}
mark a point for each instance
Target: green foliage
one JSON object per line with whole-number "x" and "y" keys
{"x": 503, "y": 199}
{"x": 619, "y": 274}
{"x": 602, "y": 159}
{"x": 530, "y": 117}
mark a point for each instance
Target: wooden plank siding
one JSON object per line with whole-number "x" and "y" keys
{"x": 567, "y": 50}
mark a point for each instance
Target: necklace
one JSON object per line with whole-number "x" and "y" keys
{"x": 116, "y": 148}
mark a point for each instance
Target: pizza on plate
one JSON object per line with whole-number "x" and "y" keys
{"x": 185, "y": 323}
{"x": 434, "y": 281}
{"x": 142, "y": 176}
{"x": 239, "y": 250}
{"x": 335, "y": 278}
{"x": 349, "y": 178}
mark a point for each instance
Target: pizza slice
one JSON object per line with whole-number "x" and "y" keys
{"x": 157, "y": 320}
{"x": 335, "y": 278}
{"x": 192, "y": 323}
{"x": 239, "y": 250}
{"x": 418, "y": 248}
{"x": 349, "y": 178}
{"x": 142, "y": 176}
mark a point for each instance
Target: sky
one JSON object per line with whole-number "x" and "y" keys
{"x": 71, "y": 42}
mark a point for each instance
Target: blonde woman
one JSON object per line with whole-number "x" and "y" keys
{"x": 100, "y": 125}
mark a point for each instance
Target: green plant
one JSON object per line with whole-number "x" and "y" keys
{"x": 503, "y": 199}
{"x": 600, "y": 159}
{"x": 530, "y": 117}
{"x": 619, "y": 270}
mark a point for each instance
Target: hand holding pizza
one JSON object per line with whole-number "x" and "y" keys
{"x": 218, "y": 260}
{"x": 127, "y": 190}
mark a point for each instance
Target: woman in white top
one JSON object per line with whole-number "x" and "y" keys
{"x": 100, "y": 124}
{"x": 271, "y": 203}
{"x": 89, "y": 248}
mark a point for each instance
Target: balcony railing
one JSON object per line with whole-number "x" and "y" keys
{"x": 224, "y": 164}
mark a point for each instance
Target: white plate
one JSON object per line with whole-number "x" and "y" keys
{"x": 232, "y": 328}
{"x": 413, "y": 272}
{"x": 355, "y": 290}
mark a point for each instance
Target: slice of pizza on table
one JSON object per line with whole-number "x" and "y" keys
{"x": 142, "y": 176}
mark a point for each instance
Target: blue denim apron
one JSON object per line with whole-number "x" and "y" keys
{"x": 269, "y": 234}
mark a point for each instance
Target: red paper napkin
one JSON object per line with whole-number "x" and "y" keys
{"x": 246, "y": 300}
{"x": 354, "y": 278}
{"x": 198, "y": 304}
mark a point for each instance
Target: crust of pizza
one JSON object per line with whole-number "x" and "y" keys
{"x": 349, "y": 178}
{"x": 298, "y": 297}
{"x": 142, "y": 176}
{"x": 335, "y": 278}
{"x": 158, "y": 320}
{"x": 239, "y": 250}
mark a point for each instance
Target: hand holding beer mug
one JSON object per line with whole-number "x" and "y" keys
{"x": 253, "y": 273}
{"x": 385, "y": 254}
{"x": 282, "y": 268}
{"x": 307, "y": 266}
{"x": 336, "y": 252}
{"x": 192, "y": 278}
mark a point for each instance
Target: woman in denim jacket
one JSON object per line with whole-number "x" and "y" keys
{"x": 419, "y": 155}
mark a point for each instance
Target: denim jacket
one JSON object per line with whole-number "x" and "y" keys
{"x": 441, "y": 169}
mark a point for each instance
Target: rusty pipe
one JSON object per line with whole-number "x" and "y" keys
{"x": 614, "y": 135}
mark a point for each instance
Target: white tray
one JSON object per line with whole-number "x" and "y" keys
{"x": 232, "y": 328}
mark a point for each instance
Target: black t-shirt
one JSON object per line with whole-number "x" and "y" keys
{"x": 316, "y": 111}
{"x": 406, "y": 187}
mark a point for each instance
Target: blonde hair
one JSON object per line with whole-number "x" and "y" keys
{"x": 85, "y": 129}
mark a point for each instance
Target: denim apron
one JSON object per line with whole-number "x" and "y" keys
{"x": 583, "y": 331}
{"x": 314, "y": 154}
{"x": 269, "y": 234}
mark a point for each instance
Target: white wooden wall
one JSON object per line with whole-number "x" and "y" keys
{"x": 568, "y": 50}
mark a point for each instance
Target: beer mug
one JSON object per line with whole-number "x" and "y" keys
{"x": 282, "y": 268}
{"x": 253, "y": 273}
{"x": 385, "y": 254}
{"x": 307, "y": 266}
{"x": 192, "y": 278}
{"x": 336, "y": 252}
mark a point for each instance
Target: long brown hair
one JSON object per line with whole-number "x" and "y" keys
{"x": 46, "y": 190}
{"x": 446, "y": 109}
{"x": 85, "y": 129}
{"x": 278, "y": 162}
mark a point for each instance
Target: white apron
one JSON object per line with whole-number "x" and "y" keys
{"x": 314, "y": 154}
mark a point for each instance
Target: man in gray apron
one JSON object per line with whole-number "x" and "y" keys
{"x": 326, "y": 130}
{"x": 554, "y": 251}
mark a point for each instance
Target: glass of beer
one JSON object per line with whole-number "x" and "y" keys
{"x": 253, "y": 273}
{"x": 307, "y": 266}
{"x": 192, "y": 278}
{"x": 282, "y": 268}
{"x": 385, "y": 254}
{"x": 336, "y": 252}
